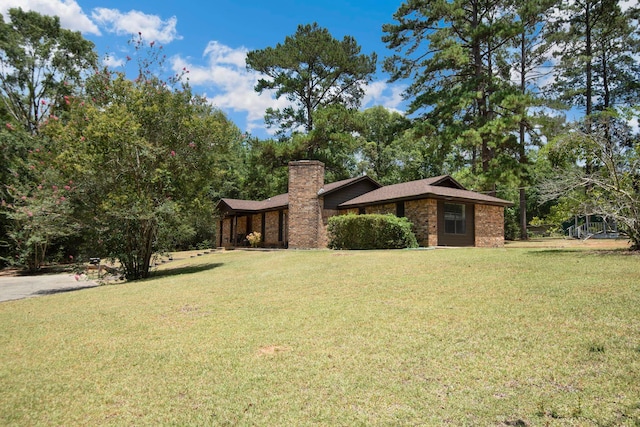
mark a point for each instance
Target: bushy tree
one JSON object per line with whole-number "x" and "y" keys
{"x": 454, "y": 55}
{"x": 312, "y": 70}
{"x": 381, "y": 131}
{"x": 611, "y": 187}
{"x": 38, "y": 209}
{"x": 40, "y": 64}
{"x": 146, "y": 156}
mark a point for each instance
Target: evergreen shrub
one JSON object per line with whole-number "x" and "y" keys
{"x": 371, "y": 231}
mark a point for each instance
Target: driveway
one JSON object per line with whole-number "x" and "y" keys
{"x": 18, "y": 287}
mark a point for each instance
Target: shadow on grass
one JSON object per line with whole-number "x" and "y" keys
{"x": 585, "y": 252}
{"x": 44, "y": 271}
{"x": 63, "y": 290}
{"x": 557, "y": 251}
{"x": 185, "y": 270}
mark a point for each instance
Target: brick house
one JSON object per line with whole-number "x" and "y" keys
{"x": 442, "y": 211}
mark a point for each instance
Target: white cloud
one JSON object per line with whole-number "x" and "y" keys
{"x": 112, "y": 61}
{"x": 219, "y": 53}
{"x": 627, "y": 4}
{"x": 152, "y": 27}
{"x": 382, "y": 93}
{"x": 635, "y": 125}
{"x": 70, "y": 13}
{"x": 229, "y": 85}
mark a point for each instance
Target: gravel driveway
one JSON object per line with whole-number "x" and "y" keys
{"x": 18, "y": 287}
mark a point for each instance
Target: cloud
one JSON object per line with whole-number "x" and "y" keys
{"x": 112, "y": 61}
{"x": 627, "y": 4}
{"x": 382, "y": 93}
{"x": 635, "y": 125}
{"x": 70, "y": 13}
{"x": 228, "y": 83}
{"x": 152, "y": 27}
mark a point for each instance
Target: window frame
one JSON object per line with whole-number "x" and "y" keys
{"x": 455, "y": 220}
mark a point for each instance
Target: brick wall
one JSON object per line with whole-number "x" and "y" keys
{"x": 306, "y": 178}
{"x": 241, "y": 228}
{"x": 226, "y": 228}
{"x": 424, "y": 216}
{"x": 271, "y": 228}
{"x": 228, "y": 224}
{"x": 489, "y": 226}
{"x": 387, "y": 208}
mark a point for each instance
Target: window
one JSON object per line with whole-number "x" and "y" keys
{"x": 454, "y": 219}
{"x": 400, "y": 209}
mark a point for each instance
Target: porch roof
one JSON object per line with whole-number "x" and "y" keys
{"x": 280, "y": 201}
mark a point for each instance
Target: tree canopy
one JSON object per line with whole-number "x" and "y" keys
{"x": 312, "y": 70}
{"x": 162, "y": 147}
{"x": 40, "y": 64}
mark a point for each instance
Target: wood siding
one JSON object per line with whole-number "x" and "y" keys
{"x": 332, "y": 200}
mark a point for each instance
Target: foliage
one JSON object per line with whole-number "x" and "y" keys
{"x": 160, "y": 145}
{"x": 254, "y": 239}
{"x": 381, "y": 131}
{"x": 312, "y": 70}
{"x": 333, "y": 141}
{"x": 370, "y": 232}
{"x": 266, "y": 172}
{"x": 40, "y": 64}
{"x": 454, "y": 53}
{"x": 511, "y": 226}
{"x": 39, "y": 203}
{"x": 597, "y": 46}
{"x": 611, "y": 188}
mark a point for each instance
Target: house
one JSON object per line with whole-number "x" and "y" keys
{"x": 442, "y": 211}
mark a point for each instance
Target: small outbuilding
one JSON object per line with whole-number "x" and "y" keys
{"x": 442, "y": 211}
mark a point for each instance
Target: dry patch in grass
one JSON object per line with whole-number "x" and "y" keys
{"x": 567, "y": 243}
{"x": 271, "y": 350}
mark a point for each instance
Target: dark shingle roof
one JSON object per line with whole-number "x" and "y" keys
{"x": 421, "y": 189}
{"x": 443, "y": 187}
{"x": 328, "y": 188}
{"x": 275, "y": 202}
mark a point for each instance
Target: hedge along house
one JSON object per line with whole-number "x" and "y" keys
{"x": 442, "y": 211}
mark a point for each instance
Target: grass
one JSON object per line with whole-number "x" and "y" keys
{"x": 542, "y": 335}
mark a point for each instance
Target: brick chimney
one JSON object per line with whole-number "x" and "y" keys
{"x": 306, "y": 178}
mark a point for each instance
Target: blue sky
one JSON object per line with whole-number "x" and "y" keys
{"x": 210, "y": 39}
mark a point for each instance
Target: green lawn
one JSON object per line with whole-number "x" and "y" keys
{"x": 515, "y": 336}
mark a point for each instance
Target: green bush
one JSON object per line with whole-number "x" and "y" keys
{"x": 370, "y": 232}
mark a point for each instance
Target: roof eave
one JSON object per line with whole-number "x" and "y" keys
{"x": 429, "y": 195}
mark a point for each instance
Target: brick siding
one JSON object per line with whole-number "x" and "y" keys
{"x": 306, "y": 178}
{"x": 423, "y": 214}
{"x": 387, "y": 208}
{"x": 489, "y": 226}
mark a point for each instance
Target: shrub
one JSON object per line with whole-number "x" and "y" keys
{"x": 370, "y": 232}
{"x": 254, "y": 239}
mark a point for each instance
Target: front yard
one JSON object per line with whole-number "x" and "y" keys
{"x": 545, "y": 333}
